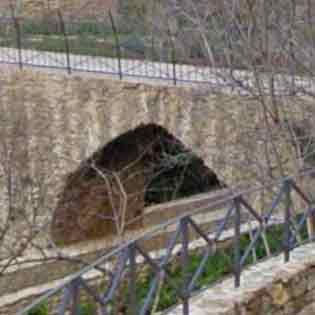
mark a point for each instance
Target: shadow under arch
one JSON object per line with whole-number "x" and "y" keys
{"x": 142, "y": 167}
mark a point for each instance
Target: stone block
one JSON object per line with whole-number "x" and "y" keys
{"x": 280, "y": 294}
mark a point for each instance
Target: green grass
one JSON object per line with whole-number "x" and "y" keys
{"x": 78, "y": 45}
{"x": 39, "y": 310}
{"x": 87, "y": 309}
{"x": 52, "y": 27}
{"x": 84, "y": 309}
{"x": 85, "y": 38}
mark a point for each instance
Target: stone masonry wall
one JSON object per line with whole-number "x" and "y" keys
{"x": 50, "y": 122}
{"x": 269, "y": 288}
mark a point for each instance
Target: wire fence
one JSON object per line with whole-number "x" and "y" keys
{"x": 122, "y": 270}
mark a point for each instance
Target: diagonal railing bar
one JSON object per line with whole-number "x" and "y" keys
{"x": 106, "y": 271}
{"x": 295, "y": 230}
{"x": 170, "y": 246}
{"x": 158, "y": 267}
{"x": 200, "y": 269}
{"x": 91, "y": 291}
{"x": 203, "y": 235}
{"x": 159, "y": 276}
{"x": 259, "y": 232}
{"x": 297, "y": 227}
{"x": 254, "y": 254}
{"x": 224, "y": 223}
{"x": 149, "y": 300}
{"x": 121, "y": 265}
{"x": 301, "y": 193}
{"x": 152, "y": 291}
{"x": 252, "y": 244}
{"x": 209, "y": 251}
{"x": 251, "y": 210}
{"x": 275, "y": 203}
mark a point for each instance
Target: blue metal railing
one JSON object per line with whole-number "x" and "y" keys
{"x": 128, "y": 259}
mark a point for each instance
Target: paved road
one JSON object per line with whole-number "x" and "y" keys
{"x": 240, "y": 82}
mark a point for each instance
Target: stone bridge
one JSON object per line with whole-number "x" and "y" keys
{"x": 51, "y": 122}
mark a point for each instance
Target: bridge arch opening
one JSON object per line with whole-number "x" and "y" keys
{"x": 109, "y": 191}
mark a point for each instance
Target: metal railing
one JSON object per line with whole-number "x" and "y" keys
{"x": 101, "y": 47}
{"x": 123, "y": 267}
{"x": 95, "y": 47}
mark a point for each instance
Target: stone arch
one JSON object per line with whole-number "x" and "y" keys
{"x": 147, "y": 165}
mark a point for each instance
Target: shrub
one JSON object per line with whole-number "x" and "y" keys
{"x": 87, "y": 309}
{"x": 39, "y": 310}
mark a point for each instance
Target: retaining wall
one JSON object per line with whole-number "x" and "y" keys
{"x": 269, "y": 288}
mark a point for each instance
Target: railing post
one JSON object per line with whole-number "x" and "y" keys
{"x": 311, "y": 224}
{"x": 132, "y": 298}
{"x": 64, "y": 301}
{"x": 173, "y": 56}
{"x": 185, "y": 264}
{"x": 174, "y": 66}
{"x": 17, "y": 27}
{"x": 67, "y": 46}
{"x": 237, "y": 243}
{"x": 75, "y": 297}
{"x": 287, "y": 218}
{"x": 117, "y": 44}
